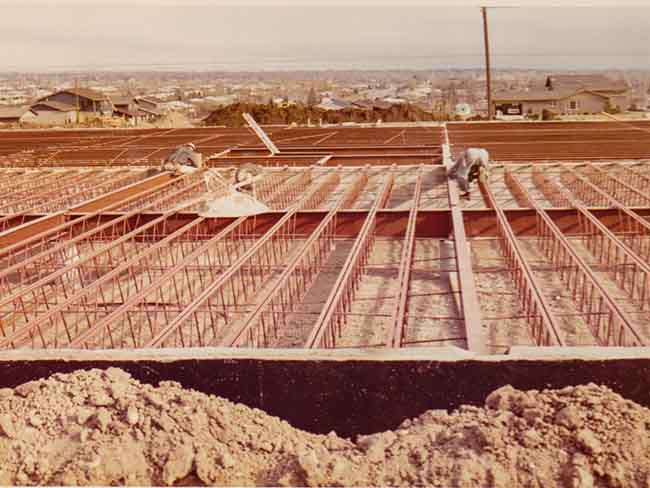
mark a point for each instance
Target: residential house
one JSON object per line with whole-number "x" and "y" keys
{"x": 394, "y": 100}
{"x": 151, "y": 106}
{"x": 463, "y": 110}
{"x": 565, "y": 94}
{"x": 332, "y": 104}
{"x": 124, "y": 106}
{"x": 371, "y": 104}
{"x": 133, "y": 108}
{"x": 285, "y": 102}
{"x": 53, "y": 112}
{"x": 83, "y": 100}
{"x": 618, "y": 91}
{"x": 16, "y": 115}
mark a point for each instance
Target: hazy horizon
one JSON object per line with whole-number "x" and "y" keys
{"x": 268, "y": 38}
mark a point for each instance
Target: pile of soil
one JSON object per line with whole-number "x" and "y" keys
{"x": 269, "y": 114}
{"x": 103, "y": 427}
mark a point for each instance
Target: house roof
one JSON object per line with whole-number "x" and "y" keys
{"x": 149, "y": 99}
{"x": 541, "y": 95}
{"x": 381, "y": 104}
{"x": 54, "y": 105}
{"x": 367, "y": 104}
{"x": 148, "y": 111}
{"x": 124, "y": 111}
{"x": 532, "y": 95}
{"x": 12, "y": 112}
{"x": 81, "y": 92}
{"x": 333, "y": 103}
{"x": 88, "y": 93}
{"x": 593, "y": 82}
{"x": 121, "y": 99}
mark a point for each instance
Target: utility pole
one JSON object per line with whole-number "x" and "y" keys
{"x": 487, "y": 63}
{"x": 76, "y": 92}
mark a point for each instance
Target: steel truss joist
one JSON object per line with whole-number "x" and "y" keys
{"x": 608, "y": 323}
{"x": 73, "y": 283}
{"x": 26, "y": 264}
{"x": 543, "y": 327}
{"x": 244, "y": 277}
{"x": 42, "y": 231}
{"x": 93, "y": 185}
{"x": 33, "y": 197}
{"x": 631, "y": 176}
{"x": 635, "y": 229}
{"x": 138, "y": 270}
{"x": 397, "y": 330}
{"x": 165, "y": 299}
{"x": 333, "y": 315}
{"x": 272, "y": 310}
{"x": 630, "y": 272}
{"x": 619, "y": 189}
{"x": 27, "y": 187}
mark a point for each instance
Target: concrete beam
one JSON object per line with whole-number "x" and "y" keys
{"x": 471, "y": 309}
{"x": 351, "y": 391}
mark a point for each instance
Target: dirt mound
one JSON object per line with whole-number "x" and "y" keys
{"x": 103, "y": 427}
{"x": 268, "y": 114}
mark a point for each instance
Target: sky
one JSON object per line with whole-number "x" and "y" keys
{"x": 91, "y": 35}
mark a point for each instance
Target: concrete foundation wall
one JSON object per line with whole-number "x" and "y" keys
{"x": 352, "y": 392}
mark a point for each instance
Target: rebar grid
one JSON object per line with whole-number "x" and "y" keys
{"x": 68, "y": 233}
{"x": 542, "y": 324}
{"x": 15, "y": 180}
{"x": 91, "y": 186}
{"x": 630, "y": 175}
{"x": 15, "y": 213}
{"x": 397, "y": 328}
{"x": 629, "y": 271}
{"x": 178, "y": 191}
{"x": 607, "y": 322}
{"x": 27, "y": 188}
{"x": 271, "y": 311}
{"x": 72, "y": 271}
{"x": 635, "y": 229}
{"x": 136, "y": 318}
{"x": 293, "y": 187}
{"x": 26, "y": 265}
{"x": 333, "y": 316}
{"x": 250, "y": 270}
{"x": 616, "y": 187}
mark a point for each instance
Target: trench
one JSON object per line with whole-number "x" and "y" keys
{"x": 350, "y": 393}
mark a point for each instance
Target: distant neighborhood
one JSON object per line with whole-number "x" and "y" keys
{"x": 78, "y": 105}
{"x": 144, "y": 100}
{"x": 570, "y": 94}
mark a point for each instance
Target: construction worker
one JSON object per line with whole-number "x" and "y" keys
{"x": 184, "y": 159}
{"x": 468, "y": 166}
{"x": 246, "y": 172}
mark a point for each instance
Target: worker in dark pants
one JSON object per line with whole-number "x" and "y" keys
{"x": 468, "y": 167}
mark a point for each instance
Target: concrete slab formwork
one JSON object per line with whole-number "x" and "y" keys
{"x": 367, "y": 244}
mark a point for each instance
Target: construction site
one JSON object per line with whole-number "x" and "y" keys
{"x": 366, "y": 294}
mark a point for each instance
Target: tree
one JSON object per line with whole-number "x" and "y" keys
{"x": 611, "y": 109}
{"x": 312, "y": 98}
{"x": 548, "y": 114}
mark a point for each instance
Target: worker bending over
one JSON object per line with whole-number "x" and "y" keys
{"x": 468, "y": 167}
{"x": 184, "y": 159}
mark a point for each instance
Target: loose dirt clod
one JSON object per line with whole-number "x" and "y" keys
{"x": 103, "y": 427}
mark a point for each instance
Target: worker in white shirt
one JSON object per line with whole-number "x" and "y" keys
{"x": 185, "y": 158}
{"x": 468, "y": 166}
